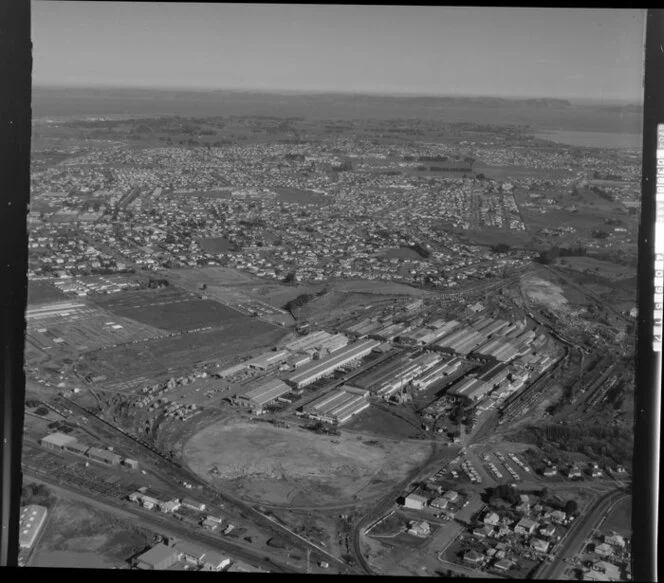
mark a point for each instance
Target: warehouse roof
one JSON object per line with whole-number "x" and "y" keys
{"x": 59, "y": 439}
{"x": 268, "y": 391}
{"x": 157, "y": 554}
{"x": 337, "y": 359}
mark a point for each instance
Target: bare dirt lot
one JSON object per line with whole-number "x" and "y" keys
{"x": 297, "y": 467}
{"x": 78, "y": 535}
{"x": 544, "y": 293}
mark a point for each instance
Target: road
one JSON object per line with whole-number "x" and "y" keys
{"x": 385, "y": 503}
{"x": 578, "y": 533}
{"x": 177, "y": 474}
{"x": 163, "y": 525}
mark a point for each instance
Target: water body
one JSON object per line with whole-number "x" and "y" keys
{"x": 618, "y": 140}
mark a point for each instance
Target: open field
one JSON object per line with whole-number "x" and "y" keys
{"x": 215, "y": 244}
{"x": 507, "y": 172}
{"x": 295, "y": 195}
{"x": 295, "y": 466}
{"x": 172, "y": 309}
{"x": 208, "y": 275}
{"x": 78, "y": 535}
{"x": 620, "y": 519}
{"x": 402, "y": 253}
{"x": 89, "y": 328}
{"x": 43, "y": 292}
{"x": 165, "y": 357}
{"x": 382, "y": 422}
{"x": 604, "y": 269}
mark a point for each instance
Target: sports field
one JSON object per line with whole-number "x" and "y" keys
{"x": 296, "y": 467}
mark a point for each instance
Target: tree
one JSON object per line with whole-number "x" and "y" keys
{"x": 571, "y": 507}
{"x": 290, "y": 277}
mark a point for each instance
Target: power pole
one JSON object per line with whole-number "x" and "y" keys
{"x": 308, "y": 563}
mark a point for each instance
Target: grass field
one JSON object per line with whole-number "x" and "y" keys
{"x": 215, "y": 244}
{"x": 171, "y": 309}
{"x": 78, "y": 535}
{"x": 604, "y": 269}
{"x": 301, "y": 196}
{"x": 43, "y": 292}
{"x": 400, "y": 253}
{"x": 620, "y": 519}
{"x": 164, "y": 357}
{"x": 297, "y": 467}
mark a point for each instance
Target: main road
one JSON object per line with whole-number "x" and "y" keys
{"x": 161, "y": 524}
{"x": 575, "y": 537}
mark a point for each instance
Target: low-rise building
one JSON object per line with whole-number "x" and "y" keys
{"x": 420, "y": 528}
{"x": 31, "y": 521}
{"x": 415, "y": 501}
{"x": 158, "y": 558}
{"x": 525, "y": 526}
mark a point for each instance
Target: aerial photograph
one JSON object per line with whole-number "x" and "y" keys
{"x": 332, "y": 289}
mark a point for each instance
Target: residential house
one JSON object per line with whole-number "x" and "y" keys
{"x": 491, "y": 519}
{"x": 525, "y": 526}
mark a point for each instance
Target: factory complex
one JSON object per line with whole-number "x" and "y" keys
{"x": 339, "y": 405}
{"x": 470, "y": 360}
{"x": 323, "y": 367}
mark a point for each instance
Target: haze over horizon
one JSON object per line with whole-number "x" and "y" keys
{"x": 575, "y": 54}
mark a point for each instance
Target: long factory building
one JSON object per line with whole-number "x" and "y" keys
{"x": 62, "y": 442}
{"x": 263, "y": 394}
{"x": 438, "y": 372}
{"x": 478, "y": 385}
{"x": 412, "y": 370}
{"x": 339, "y": 405}
{"x": 318, "y": 369}
{"x": 319, "y": 341}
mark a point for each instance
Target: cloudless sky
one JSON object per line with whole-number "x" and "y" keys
{"x": 556, "y": 52}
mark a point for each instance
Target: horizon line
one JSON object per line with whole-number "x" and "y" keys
{"x": 309, "y": 91}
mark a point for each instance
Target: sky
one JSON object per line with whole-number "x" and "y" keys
{"x": 431, "y": 50}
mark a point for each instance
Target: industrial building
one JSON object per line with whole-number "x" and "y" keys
{"x": 364, "y": 328}
{"x": 495, "y": 375}
{"x": 233, "y": 370}
{"x": 30, "y": 523}
{"x": 377, "y": 376}
{"x": 77, "y": 448}
{"x": 415, "y": 501}
{"x": 409, "y": 372}
{"x": 268, "y": 360}
{"x": 390, "y": 332}
{"x": 310, "y": 342}
{"x": 103, "y": 456}
{"x": 437, "y": 373}
{"x": 263, "y": 394}
{"x": 339, "y": 405}
{"x": 318, "y": 369}
{"x": 158, "y": 558}
{"x": 470, "y": 388}
{"x": 57, "y": 441}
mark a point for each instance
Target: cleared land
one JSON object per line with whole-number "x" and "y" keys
{"x": 544, "y": 292}
{"x": 171, "y": 309}
{"x": 295, "y": 466}
{"x": 164, "y": 357}
{"x": 604, "y": 269}
{"x": 43, "y": 292}
{"x": 620, "y": 520}
{"x": 78, "y": 535}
